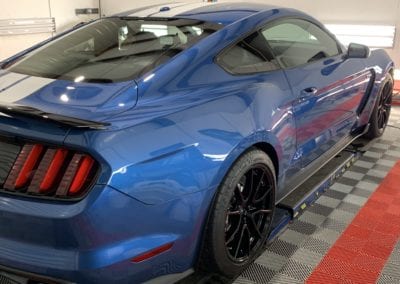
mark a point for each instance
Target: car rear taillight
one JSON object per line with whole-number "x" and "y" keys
{"x": 51, "y": 172}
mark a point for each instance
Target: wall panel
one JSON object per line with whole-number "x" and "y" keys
{"x": 62, "y": 10}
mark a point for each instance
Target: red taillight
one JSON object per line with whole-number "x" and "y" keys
{"x": 152, "y": 253}
{"x": 22, "y": 169}
{"x": 81, "y": 175}
{"x": 53, "y": 172}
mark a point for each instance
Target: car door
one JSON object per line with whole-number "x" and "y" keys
{"x": 327, "y": 88}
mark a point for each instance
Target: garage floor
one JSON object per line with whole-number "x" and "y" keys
{"x": 351, "y": 234}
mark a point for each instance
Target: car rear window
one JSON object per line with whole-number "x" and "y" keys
{"x": 113, "y": 49}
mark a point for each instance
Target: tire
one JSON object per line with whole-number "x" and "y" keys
{"x": 237, "y": 229}
{"x": 381, "y": 112}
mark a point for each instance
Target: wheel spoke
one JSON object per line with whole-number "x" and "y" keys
{"x": 250, "y": 240}
{"x": 260, "y": 184}
{"x": 264, "y": 196}
{"x": 384, "y": 118}
{"x": 381, "y": 118}
{"x": 388, "y": 99}
{"x": 250, "y": 185}
{"x": 255, "y": 227}
{"x": 262, "y": 211}
{"x": 239, "y": 192}
{"x": 248, "y": 217}
{"x": 238, "y": 227}
{"x": 232, "y": 213}
{"x": 240, "y": 240}
{"x": 385, "y": 102}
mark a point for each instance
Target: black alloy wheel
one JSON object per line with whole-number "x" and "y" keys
{"x": 240, "y": 217}
{"x": 385, "y": 105}
{"x": 249, "y": 214}
{"x": 381, "y": 113}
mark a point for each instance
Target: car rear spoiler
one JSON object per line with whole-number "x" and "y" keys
{"x": 13, "y": 109}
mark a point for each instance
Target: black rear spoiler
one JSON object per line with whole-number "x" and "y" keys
{"x": 57, "y": 118}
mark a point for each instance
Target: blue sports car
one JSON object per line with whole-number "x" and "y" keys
{"x": 157, "y": 142}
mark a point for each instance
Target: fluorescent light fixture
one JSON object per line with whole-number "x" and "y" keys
{"x": 371, "y": 35}
{"x": 27, "y": 26}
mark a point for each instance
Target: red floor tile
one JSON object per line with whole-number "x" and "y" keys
{"x": 362, "y": 250}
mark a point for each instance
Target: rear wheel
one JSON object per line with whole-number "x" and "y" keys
{"x": 241, "y": 216}
{"x": 381, "y": 112}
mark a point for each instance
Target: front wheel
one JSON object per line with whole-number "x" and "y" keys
{"x": 381, "y": 112}
{"x": 241, "y": 216}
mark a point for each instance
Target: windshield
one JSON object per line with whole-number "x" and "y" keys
{"x": 113, "y": 49}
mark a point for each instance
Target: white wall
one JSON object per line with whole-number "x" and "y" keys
{"x": 62, "y": 10}
{"x": 108, "y": 7}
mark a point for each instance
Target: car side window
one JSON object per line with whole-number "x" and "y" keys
{"x": 296, "y": 42}
{"x": 250, "y": 55}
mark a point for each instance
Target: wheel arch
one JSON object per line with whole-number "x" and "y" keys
{"x": 238, "y": 152}
{"x": 268, "y": 149}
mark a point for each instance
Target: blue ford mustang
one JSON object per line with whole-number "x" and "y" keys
{"x": 149, "y": 144}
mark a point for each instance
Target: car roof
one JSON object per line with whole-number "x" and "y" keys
{"x": 223, "y": 13}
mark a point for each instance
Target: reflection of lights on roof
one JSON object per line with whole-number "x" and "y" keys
{"x": 70, "y": 88}
{"x": 64, "y": 98}
{"x": 121, "y": 104}
{"x": 79, "y": 79}
{"x": 4, "y": 114}
{"x": 45, "y": 116}
{"x": 148, "y": 78}
{"x": 370, "y": 35}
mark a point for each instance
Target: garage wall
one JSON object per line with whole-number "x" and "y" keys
{"x": 62, "y": 10}
{"x": 108, "y": 7}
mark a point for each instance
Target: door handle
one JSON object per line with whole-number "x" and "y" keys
{"x": 308, "y": 93}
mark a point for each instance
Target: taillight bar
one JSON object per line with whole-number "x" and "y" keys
{"x": 52, "y": 172}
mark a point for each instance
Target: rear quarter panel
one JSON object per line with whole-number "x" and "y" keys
{"x": 189, "y": 140}
{"x": 193, "y": 120}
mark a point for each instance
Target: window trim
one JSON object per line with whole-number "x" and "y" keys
{"x": 217, "y": 58}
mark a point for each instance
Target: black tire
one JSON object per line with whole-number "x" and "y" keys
{"x": 381, "y": 112}
{"x": 251, "y": 178}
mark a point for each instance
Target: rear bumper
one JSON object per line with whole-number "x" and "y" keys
{"x": 94, "y": 240}
{"x": 14, "y": 276}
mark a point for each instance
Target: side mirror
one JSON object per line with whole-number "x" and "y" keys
{"x": 356, "y": 50}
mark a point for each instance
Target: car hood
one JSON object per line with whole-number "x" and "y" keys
{"x": 86, "y": 101}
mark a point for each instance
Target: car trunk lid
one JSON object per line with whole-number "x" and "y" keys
{"x": 69, "y": 102}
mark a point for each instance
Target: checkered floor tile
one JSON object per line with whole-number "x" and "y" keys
{"x": 293, "y": 256}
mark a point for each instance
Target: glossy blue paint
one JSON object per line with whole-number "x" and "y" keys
{"x": 76, "y": 99}
{"x": 174, "y": 134}
{"x": 340, "y": 86}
